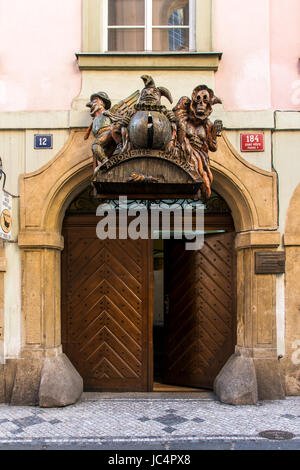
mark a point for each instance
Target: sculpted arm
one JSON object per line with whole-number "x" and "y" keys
{"x": 211, "y": 136}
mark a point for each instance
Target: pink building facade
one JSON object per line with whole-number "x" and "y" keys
{"x": 53, "y": 56}
{"x": 259, "y": 69}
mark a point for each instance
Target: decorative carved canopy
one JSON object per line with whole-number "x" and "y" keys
{"x": 141, "y": 146}
{"x": 85, "y": 203}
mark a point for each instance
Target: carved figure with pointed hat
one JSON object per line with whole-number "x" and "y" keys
{"x": 152, "y": 125}
{"x": 151, "y": 94}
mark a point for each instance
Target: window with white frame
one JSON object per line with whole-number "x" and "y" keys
{"x": 149, "y": 25}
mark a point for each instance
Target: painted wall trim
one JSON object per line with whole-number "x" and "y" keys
{"x": 92, "y": 31}
{"x": 232, "y": 120}
{"x": 245, "y": 119}
{"x": 149, "y": 61}
{"x": 287, "y": 120}
{"x": 35, "y": 120}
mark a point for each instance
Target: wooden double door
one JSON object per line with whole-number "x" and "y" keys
{"x": 107, "y": 303}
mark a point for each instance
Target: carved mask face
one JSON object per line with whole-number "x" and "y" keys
{"x": 96, "y": 106}
{"x": 202, "y": 104}
{"x": 150, "y": 95}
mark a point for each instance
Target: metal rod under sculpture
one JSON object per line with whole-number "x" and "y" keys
{"x": 140, "y": 126}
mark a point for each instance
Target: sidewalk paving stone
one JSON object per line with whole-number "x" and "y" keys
{"x": 143, "y": 417}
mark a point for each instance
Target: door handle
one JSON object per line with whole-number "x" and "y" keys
{"x": 167, "y": 304}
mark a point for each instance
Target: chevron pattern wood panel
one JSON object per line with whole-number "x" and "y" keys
{"x": 200, "y": 324}
{"x": 106, "y": 308}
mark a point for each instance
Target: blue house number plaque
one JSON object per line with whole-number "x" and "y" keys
{"x": 43, "y": 141}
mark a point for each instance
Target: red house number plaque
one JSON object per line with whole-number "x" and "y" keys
{"x": 252, "y": 142}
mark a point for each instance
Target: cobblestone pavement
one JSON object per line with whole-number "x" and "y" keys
{"x": 103, "y": 418}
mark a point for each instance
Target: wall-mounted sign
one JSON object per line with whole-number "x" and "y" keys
{"x": 269, "y": 262}
{"x": 43, "y": 141}
{"x": 253, "y": 142}
{"x": 6, "y": 216}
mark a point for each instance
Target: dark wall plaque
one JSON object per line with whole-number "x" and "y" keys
{"x": 43, "y": 141}
{"x": 269, "y": 262}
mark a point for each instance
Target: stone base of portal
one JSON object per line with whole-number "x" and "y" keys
{"x": 47, "y": 382}
{"x": 236, "y": 383}
{"x": 52, "y": 381}
{"x": 244, "y": 380}
{"x": 292, "y": 384}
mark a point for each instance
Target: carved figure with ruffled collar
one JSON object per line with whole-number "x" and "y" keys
{"x": 197, "y": 135}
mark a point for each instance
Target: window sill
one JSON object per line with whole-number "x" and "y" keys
{"x": 149, "y": 60}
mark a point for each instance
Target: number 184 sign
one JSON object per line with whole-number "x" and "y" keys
{"x": 252, "y": 142}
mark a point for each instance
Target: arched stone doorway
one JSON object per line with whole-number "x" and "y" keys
{"x": 44, "y": 196}
{"x": 140, "y": 314}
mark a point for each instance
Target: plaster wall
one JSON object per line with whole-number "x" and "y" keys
{"x": 19, "y": 155}
{"x": 2, "y": 272}
{"x": 12, "y": 152}
{"x": 262, "y": 160}
{"x": 39, "y": 70}
{"x": 285, "y": 47}
{"x": 260, "y": 44}
{"x": 12, "y": 302}
{"x": 119, "y": 85}
{"x": 256, "y": 60}
{"x": 38, "y": 41}
{"x": 36, "y": 158}
{"x": 242, "y": 33}
{"x": 286, "y": 146}
{"x": 10, "y": 290}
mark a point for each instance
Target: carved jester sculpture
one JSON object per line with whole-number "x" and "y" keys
{"x": 99, "y": 102}
{"x": 140, "y": 123}
{"x": 152, "y": 125}
{"x": 196, "y": 133}
{"x": 106, "y": 125}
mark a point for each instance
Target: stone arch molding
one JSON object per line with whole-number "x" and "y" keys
{"x": 292, "y": 217}
{"x": 45, "y": 193}
{"x": 44, "y": 197}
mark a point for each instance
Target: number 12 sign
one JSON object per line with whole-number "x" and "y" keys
{"x": 43, "y": 141}
{"x": 253, "y": 142}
